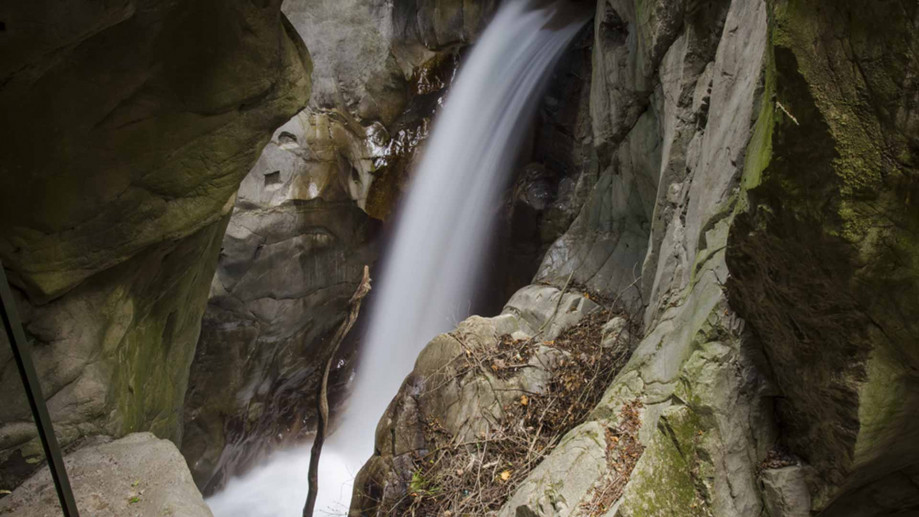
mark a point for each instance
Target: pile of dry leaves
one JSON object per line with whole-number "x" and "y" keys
{"x": 477, "y": 477}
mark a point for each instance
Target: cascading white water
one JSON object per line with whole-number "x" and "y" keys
{"x": 444, "y": 225}
{"x": 440, "y": 239}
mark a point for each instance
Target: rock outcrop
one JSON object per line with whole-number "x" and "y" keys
{"x": 754, "y": 168}
{"x": 287, "y": 264}
{"x": 494, "y": 384}
{"x": 136, "y": 475}
{"x": 130, "y": 128}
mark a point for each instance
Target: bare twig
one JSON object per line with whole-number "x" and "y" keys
{"x": 322, "y": 401}
{"x": 792, "y": 117}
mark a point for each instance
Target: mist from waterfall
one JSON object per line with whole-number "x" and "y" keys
{"x": 441, "y": 236}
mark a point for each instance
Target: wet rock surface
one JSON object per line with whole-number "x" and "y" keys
{"x": 287, "y": 267}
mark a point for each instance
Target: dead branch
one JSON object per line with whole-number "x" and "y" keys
{"x": 322, "y": 400}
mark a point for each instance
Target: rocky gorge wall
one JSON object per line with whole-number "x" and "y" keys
{"x": 303, "y": 218}
{"x": 736, "y": 177}
{"x": 752, "y": 175}
{"x": 127, "y": 129}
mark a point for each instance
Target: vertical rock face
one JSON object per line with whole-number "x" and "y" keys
{"x": 133, "y": 126}
{"x": 823, "y": 257}
{"x": 560, "y": 169}
{"x": 676, "y": 89}
{"x": 666, "y": 171}
{"x": 305, "y": 222}
{"x": 609, "y": 235}
{"x": 754, "y": 177}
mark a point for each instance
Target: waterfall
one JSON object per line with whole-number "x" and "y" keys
{"x": 443, "y": 228}
{"x": 441, "y": 234}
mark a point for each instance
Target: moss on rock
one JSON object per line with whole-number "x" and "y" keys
{"x": 822, "y": 255}
{"x": 669, "y": 478}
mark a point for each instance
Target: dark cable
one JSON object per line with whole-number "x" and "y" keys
{"x": 23, "y": 356}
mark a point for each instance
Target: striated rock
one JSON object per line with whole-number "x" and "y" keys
{"x": 785, "y": 492}
{"x": 550, "y": 190}
{"x": 135, "y": 475}
{"x": 604, "y": 246}
{"x": 783, "y": 139}
{"x": 705, "y": 423}
{"x": 437, "y": 24}
{"x": 133, "y": 126}
{"x": 351, "y": 45}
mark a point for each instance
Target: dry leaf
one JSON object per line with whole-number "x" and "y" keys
{"x": 524, "y": 400}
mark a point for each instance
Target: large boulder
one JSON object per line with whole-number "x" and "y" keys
{"x": 136, "y": 475}
{"x": 508, "y": 385}
{"x": 131, "y": 128}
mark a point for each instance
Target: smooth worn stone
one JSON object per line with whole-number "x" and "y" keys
{"x": 136, "y": 475}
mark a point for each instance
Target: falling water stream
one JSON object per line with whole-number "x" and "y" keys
{"x": 435, "y": 257}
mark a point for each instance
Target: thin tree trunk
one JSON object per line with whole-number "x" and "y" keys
{"x": 322, "y": 400}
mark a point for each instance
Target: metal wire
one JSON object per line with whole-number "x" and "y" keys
{"x": 22, "y": 354}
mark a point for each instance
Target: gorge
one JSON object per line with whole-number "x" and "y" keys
{"x": 696, "y": 295}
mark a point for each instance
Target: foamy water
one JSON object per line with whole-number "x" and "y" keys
{"x": 436, "y": 254}
{"x": 278, "y": 488}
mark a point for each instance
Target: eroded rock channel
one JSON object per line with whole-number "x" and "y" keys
{"x": 700, "y": 296}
